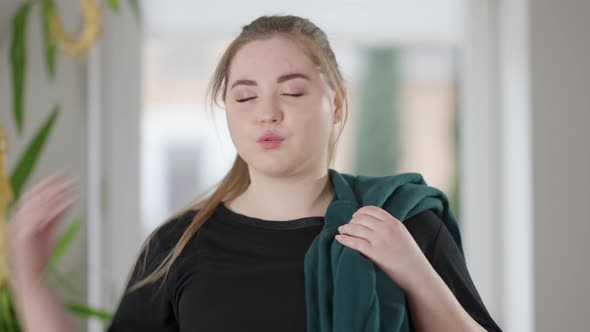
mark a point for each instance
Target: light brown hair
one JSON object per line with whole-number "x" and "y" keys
{"x": 314, "y": 43}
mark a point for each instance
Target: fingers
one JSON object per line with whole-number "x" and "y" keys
{"x": 362, "y": 245}
{"x": 55, "y": 193}
{"x": 55, "y": 189}
{"x": 57, "y": 211}
{"x": 42, "y": 184}
{"x": 50, "y": 187}
{"x": 374, "y": 211}
{"x": 367, "y": 221}
{"x": 355, "y": 229}
{"x": 45, "y": 202}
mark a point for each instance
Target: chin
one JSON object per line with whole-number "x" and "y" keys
{"x": 274, "y": 169}
{"x": 272, "y": 166}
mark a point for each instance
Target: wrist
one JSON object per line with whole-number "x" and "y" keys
{"x": 422, "y": 282}
{"x": 24, "y": 287}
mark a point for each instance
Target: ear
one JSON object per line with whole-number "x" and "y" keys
{"x": 338, "y": 106}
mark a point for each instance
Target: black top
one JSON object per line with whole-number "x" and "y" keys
{"x": 240, "y": 273}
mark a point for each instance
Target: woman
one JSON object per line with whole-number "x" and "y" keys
{"x": 234, "y": 261}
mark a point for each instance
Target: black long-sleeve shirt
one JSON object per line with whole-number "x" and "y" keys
{"x": 240, "y": 273}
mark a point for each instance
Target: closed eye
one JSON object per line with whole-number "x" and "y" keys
{"x": 245, "y": 99}
{"x": 284, "y": 94}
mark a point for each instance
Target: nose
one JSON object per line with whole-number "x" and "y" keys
{"x": 270, "y": 111}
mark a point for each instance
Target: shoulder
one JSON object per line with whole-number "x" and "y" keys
{"x": 161, "y": 241}
{"x": 165, "y": 236}
{"x": 424, "y": 227}
{"x": 427, "y": 220}
{"x": 175, "y": 225}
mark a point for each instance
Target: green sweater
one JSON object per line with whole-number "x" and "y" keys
{"x": 346, "y": 291}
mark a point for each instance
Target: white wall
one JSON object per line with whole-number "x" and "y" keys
{"x": 479, "y": 125}
{"x": 527, "y": 113}
{"x": 119, "y": 66}
{"x": 540, "y": 50}
{"x": 560, "y": 99}
{"x": 514, "y": 142}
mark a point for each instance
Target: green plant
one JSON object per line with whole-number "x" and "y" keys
{"x": 33, "y": 151}
{"x": 53, "y": 36}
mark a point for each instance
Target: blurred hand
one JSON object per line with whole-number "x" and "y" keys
{"x": 32, "y": 227}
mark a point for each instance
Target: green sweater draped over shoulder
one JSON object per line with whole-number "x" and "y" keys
{"x": 346, "y": 291}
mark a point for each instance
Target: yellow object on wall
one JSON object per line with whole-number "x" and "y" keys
{"x": 6, "y": 197}
{"x": 89, "y": 34}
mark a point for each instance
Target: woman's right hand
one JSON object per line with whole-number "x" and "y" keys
{"x": 33, "y": 224}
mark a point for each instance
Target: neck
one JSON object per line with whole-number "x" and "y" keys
{"x": 286, "y": 197}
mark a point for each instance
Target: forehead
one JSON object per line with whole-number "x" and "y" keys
{"x": 270, "y": 58}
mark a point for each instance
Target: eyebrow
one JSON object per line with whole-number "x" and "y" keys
{"x": 281, "y": 79}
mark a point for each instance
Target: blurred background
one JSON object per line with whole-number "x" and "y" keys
{"x": 486, "y": 99}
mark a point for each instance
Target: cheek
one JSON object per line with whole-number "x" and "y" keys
{"x": 235, "y": 115}
{"x": 234, "y": 125}
{"x": 315, "y": 121}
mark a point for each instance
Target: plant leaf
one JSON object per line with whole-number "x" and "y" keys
{"x": 8, "y": 320}
{"x": 64, "y": 242}
{"x": 86, "y": 311}
{"x": 115, "y": 5}
{"x": 18, "y": 61}
{"x": 47, "y": 9}
{"x": 63, "y": 282}
{"x": 26, "y": 164}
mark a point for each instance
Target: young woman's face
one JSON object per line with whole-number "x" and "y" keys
{"x": 274, "y": 87}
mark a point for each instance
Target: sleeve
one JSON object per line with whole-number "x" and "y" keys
{"x": 148, "y": 308}
{"x": 446, "y": 258}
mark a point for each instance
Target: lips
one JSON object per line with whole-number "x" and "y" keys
{"x": 270, "y": 136}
